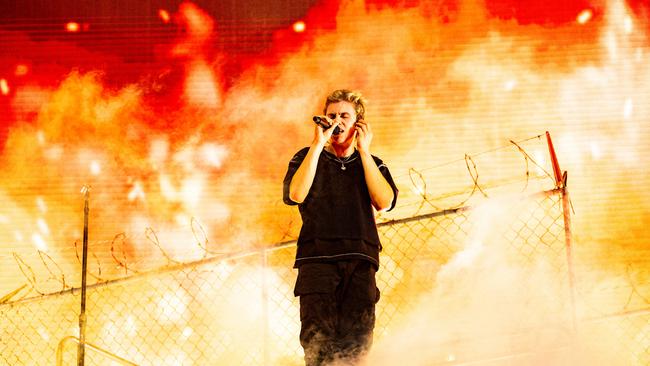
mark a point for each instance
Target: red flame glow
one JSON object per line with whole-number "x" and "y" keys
{"x": 187, "y": 140}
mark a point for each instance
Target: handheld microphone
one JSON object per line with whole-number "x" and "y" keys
{"x": 322, "y": 121}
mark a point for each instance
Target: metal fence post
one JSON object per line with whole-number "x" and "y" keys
{"x": 561, "y": 183}
{"x": 84, "y": 269}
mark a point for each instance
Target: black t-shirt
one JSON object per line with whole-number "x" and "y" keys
{"x": 338, "y": 220}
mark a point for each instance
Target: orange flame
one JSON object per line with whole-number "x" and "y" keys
{"x": 442, "y": 80}
{"x": 555, "y": 73}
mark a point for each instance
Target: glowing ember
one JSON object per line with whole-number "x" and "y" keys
{"x": 164, "y": 15}
{"x": 299, "y": 26}
{"x": 72, "y": 27}
{"x": 4, "y": 87}
{"x": 585, "y": 16}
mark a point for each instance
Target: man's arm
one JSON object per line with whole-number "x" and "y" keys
{"x": 304, "y": 176}
{"x": 381, "y": 193}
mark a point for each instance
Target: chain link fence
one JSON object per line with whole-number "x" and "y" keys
{"x": 493, "y": 281}
{"x": 241, "y": 310}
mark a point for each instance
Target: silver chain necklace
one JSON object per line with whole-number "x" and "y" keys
{"x": 343, "y": 161}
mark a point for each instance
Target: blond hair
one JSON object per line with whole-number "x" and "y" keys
{"x": 344, "y": 95}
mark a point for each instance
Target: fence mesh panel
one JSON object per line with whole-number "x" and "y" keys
{"x": 241, "y": 310}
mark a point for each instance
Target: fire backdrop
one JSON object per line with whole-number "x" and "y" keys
{"x": 508, "y": 245}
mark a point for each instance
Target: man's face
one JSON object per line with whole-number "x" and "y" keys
{"x": 344, "y": 112}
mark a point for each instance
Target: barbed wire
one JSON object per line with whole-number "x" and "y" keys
{"x": 31, "y": 279}
{"x": 419, "y": 186}
{"x": 423, "y": 191}
{"x": 455, "y": 161}
{"x": 118, "y": 243}
{"x": 53, "y": 271}
{"x": 124, "y": 263}
{"x": 203, "y": 242}
{"x": 99, "y": 264}
{"x": 130, "y": 266}
{"x": 44, "y": 255}
{"x": 151, "y": 235}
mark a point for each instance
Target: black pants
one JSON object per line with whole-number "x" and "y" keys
{"x": 337, "y": 310}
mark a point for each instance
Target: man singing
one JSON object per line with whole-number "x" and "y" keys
{"x": 336, "y": 183}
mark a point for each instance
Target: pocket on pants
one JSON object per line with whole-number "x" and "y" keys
{"x": 316, "y": 278}
{"x": 363, "y": 284}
